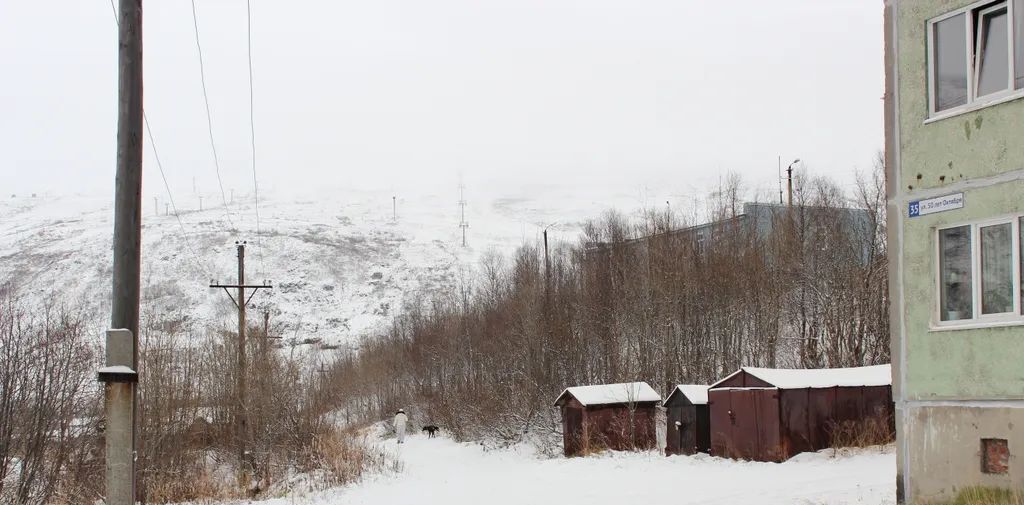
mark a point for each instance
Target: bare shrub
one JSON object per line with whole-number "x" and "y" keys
{"x": 51, "y": 424}
{"x": 47, "y": 392}
{"x": 189, "y": 398}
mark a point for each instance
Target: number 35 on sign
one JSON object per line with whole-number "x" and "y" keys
{"x": 937, "y": 204}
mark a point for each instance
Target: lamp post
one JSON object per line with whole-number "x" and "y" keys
{"x": 789, "y": 180}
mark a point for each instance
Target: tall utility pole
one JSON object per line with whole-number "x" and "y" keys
{"x": 241, "y": 397}
{"x": 547, "y": 274}
{"x": 780, "y": 180}
{"x": 156, "y": 207}
{"x": 789, "y": 180}
{"x": 547, "y": 281}
{"x": 119, "y": 393}
{"x": 394, "y": 209}
{"x": 200, "y": 202}
{"x": 167, "y": 209}
{"x": 462, "y": 204}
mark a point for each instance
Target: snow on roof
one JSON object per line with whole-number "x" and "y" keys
{"x": 696, "y": 393}
{"x": 783, "y": 378}
{"x": 118, "y": 369}
{"x": 605, "y": 394}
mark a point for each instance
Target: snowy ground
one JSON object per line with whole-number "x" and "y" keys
{"x": 442, "y": 472}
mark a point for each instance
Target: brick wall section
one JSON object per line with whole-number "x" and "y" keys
{"x": 995, "y": 455}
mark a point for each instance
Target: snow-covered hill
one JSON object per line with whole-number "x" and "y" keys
{"x": 340, "y": 264}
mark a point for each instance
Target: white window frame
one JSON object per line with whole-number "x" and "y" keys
{"x": 976, "y": 68}
{"x": 977, "y": 319}
{"x": 973, "y": 39}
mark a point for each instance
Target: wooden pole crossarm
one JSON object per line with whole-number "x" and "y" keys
{"x": 246, "y": 286}
{"x": 253, "y": 287}
{"x": 229, "y": 295}
{"x": 254, "y": 290}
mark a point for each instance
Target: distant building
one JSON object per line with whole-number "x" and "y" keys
{"x": 761, "y": 220}
{"x": 955, "y": 181}
{"x": 764, "y": 219}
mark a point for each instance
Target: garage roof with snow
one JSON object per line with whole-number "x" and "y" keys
{"x": 609, "y": 394}
{"x": 697, "y": 394}
{"x": 782, "y": 378}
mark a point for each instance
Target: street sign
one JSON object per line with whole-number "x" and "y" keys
{"x": 937, "y": 204}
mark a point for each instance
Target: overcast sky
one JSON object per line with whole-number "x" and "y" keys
{"x": 388, "y": 93}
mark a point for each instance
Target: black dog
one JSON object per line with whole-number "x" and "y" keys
{"x": 431, "y": 430}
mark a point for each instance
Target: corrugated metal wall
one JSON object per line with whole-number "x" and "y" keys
{"x": 616, "y": 427}
{"x": 774, "y": 424}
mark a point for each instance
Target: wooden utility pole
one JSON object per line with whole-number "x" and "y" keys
{"x": 200, "y": 202}
{"x": 241, "y": 397}
{"x": 462, "y": 204}
{"x": 780, "y": 180}
{"x": 120, "y": 395}
{"x": 547, "y": 272}
{"x": 789, "y": 184}
{"x": 156, "y": 206}
{"x": 394, "y": 209}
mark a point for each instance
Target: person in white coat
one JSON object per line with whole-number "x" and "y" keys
{"x": 400, "y": 420}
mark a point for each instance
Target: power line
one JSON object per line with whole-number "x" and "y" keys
{"x": 209, "y": 117}
{"x": 163, "y": 176}
{"x": 170, "y": 197}
{"x": 252, "y": 135}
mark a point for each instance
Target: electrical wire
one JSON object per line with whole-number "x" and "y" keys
{"x": 163, "y": 176}
{"x": 252, "y": 136}
{"x": 170, "y": 197}
{"x": 209, "y": 117}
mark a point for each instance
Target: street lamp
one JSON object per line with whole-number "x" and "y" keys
{"x": 789, "y": 179}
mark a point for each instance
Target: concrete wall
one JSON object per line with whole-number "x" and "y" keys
{"x": 946, "y": 444}
{"x": 952, "y": 387}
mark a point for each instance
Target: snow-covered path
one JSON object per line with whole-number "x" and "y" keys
{"x": 442, "y": 472}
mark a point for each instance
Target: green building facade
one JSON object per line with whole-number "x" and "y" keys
{"x": 955, "y": 190}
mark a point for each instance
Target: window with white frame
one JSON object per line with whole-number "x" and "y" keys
{"x": 976, "y": 56}
{"x": 979, "y": 272}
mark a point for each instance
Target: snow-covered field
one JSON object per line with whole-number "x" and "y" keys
{"x": 442, "y": 472}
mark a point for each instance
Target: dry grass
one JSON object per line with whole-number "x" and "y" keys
{"x": 867, "y": 432}
{"x": 334, "y": 458}
{"x": 201, "y": 486}
{"x": 980, "y": 495}
{"x": 345, "y": 458}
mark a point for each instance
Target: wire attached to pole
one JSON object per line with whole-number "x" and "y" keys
{"x": 209, "y": 116}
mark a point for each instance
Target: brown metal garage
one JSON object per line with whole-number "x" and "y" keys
{"x": 769, "y": 414}
{"x": 609, "y": 416}
{"x": 689, "y": 421}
